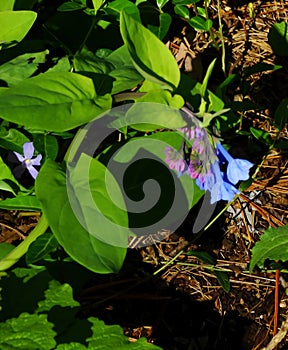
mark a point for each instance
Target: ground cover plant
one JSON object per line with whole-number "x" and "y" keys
{"x": 143, "y": 145}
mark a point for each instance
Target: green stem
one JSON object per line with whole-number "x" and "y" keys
{"x": 11, "y": 258}
{"x": 88, "y": 33}
{"x": 168, "y": 263}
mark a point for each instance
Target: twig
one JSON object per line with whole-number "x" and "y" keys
{"x": 278, "y": 337}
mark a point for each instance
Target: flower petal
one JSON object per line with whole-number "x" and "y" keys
{"x": 37, "y": 160}
{"x": 237, "y": 170}
{"x": 33, "y": 172}
{"x": 19, "y": 157}
{"x": 28, "y": 150}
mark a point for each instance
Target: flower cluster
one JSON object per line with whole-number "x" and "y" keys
{"x": 205, "y": 163}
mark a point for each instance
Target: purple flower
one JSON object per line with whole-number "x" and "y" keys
{"x": 27, "y": 161}
{"x": 175, "y": 160}
{"x": 237, "y": 169}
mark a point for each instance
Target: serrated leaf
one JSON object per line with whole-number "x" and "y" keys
{"x": 42, "y": 246}
{"x": 151, "y": 57}
{"x": 70, "y": 98}
{"x": 273, "y": 245}
{"x": 57, "y": 294}
{"x": 31, "y": 332}
{"x": 15, "y": 25}
{"x": 111, "y": 337}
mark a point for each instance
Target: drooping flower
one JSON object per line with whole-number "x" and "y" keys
{"x": 237, "y": 169}
{"x": 27, "y": 161}
{"x": 175, "y": 160}
{"x": 203, "y": 164}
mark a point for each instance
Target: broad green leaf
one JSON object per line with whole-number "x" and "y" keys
{"x": 147, "y": 116}
{"x": 87, "y": 61}
{"x": 57, "y": 101}
{"x": 273, "y": 245}
{"x": 182, "y": 11}
{"x": 80, "y": 245}
{"x": 41, "y": 247}
{"x": 57, "y": 294}
{"x": 5, "y": 249}
{"x": 281, "y": 114}
{"x": 63, "y": 65}
{"x": 97, "y": 4}
{"x": 4, "y": 186}
{"x": 160, "y": 31}
{"x": 262, "y": 136}
{"x": 21, "y": 67}
{"x": 70, "y": 6}
{"x": 278, "y": 38}
{"x": 117, "y": 6}
{"x": 7, "y": 5}
{"x": 151, "y": 57}
{"x": 201, "y": 24}
{"x": 46, "y": 145}
{"x": 106, "y": 337}
{"x": 6, "y": 174}
{"x": 31, "y": 332}
{"x": 15, "y": 25}
{"x": 21, "y": 203}
{"x": 12, "y": 139}
{"x": 125, "y": 78}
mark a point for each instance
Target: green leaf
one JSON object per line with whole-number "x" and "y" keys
{"x": 15, "y": 25}
{"x": 70, "y": 6}
{"x": 87, "y": 61}
{"x": 273, "y": 245}
{"x": 41, "y": 247}
{"x": 151, "y": 57}
{"x": 7, "y": 5}
{"x": 111, "y": 337}
{"x": 12, "y": 139}
{"x": 46, "y": 145}
{"x": 262, "y": 136}
{"x": 278, "y": 38}
{"x": 161, "y": 3}
{"x": 204, "y": 256}
{"x": 21, "y": 67}
{"x": 182, "y": 11}
{"x": 260, "y": 67}
{"x": 6, "y": 174}
{"x": 31, "y": 332}
{"x": 57, "y": 294}
{"x": 281, "y": 114}
{"x": 80, "y": 245}
{"x": 57, "y": 101}
{"x": 4, "y": 186}
{"x": 5, "y": 249}
{"x": 201, "y": 24}
{"x": 223, "y": 279}
{"x": 21, "y": 203}
{"x": 161, "y": 115}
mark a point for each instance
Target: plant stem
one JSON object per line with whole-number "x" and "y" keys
{"x": 223, "y": 57}
{"x": 11, "y": 258}
{"x": 88, "y": 33}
